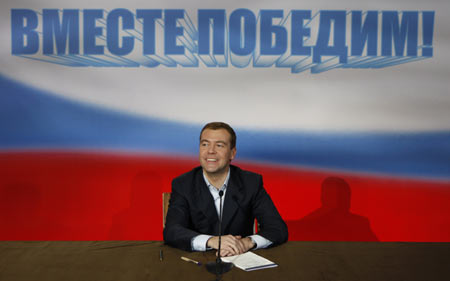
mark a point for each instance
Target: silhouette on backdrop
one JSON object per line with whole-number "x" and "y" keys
{"x": 142, "y": 220}
{"x": 333, "y": 221}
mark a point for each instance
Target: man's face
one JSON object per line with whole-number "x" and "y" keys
{"x": 215, "y": 151}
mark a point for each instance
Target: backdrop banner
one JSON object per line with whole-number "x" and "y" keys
{"x": 342, "y": 106}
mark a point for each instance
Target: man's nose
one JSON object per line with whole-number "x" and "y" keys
{"x": 211, "y": 149}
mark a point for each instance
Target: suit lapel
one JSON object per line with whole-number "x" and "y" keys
{"x": 232, "y": 198}
{"x": 206, "y": 202}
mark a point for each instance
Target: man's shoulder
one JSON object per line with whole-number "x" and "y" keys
{"x": 188, "y": 176}
{"x": 243, "y": 174}
{"x": 236, "y": 169}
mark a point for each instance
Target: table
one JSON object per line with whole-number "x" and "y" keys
{"x": 139, "y": 261}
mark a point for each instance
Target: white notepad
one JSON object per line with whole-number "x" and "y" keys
{"x": 250, "y": 261}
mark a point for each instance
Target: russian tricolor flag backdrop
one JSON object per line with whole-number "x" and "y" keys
{"x": 346, "y": 155}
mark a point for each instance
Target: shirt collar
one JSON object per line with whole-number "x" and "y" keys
{"x": 212, "y": 187}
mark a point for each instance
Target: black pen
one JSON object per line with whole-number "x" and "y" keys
{"x": 160, "y": 255}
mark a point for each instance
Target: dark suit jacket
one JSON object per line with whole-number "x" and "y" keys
{"x": 192, "y": 210}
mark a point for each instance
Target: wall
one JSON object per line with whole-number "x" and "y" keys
{"x": 347, "y": 120}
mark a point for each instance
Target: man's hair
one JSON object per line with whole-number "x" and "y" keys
{"x": 221, "y": 125}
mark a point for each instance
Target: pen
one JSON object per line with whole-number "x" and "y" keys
{"x": 189, "y": 260}
{"x": 160, "y": 255}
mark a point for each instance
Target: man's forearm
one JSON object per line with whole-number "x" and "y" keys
{"x": 260, "y": 241}
{"x": 199, "y": 242}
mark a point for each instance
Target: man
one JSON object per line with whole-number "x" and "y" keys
{"x": 192, "y": 221}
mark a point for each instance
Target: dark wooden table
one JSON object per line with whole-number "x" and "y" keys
{"x": 139, "y": 260}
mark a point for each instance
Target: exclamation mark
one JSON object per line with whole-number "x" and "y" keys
{"x": 427, "y": 31}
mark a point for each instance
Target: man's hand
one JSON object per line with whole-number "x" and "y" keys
{"x": 231, "y": 245}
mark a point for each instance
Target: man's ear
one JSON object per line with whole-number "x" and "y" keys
{"x": 233, "y": 153}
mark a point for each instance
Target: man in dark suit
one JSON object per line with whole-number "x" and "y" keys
{"x": 192, "y": 221}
